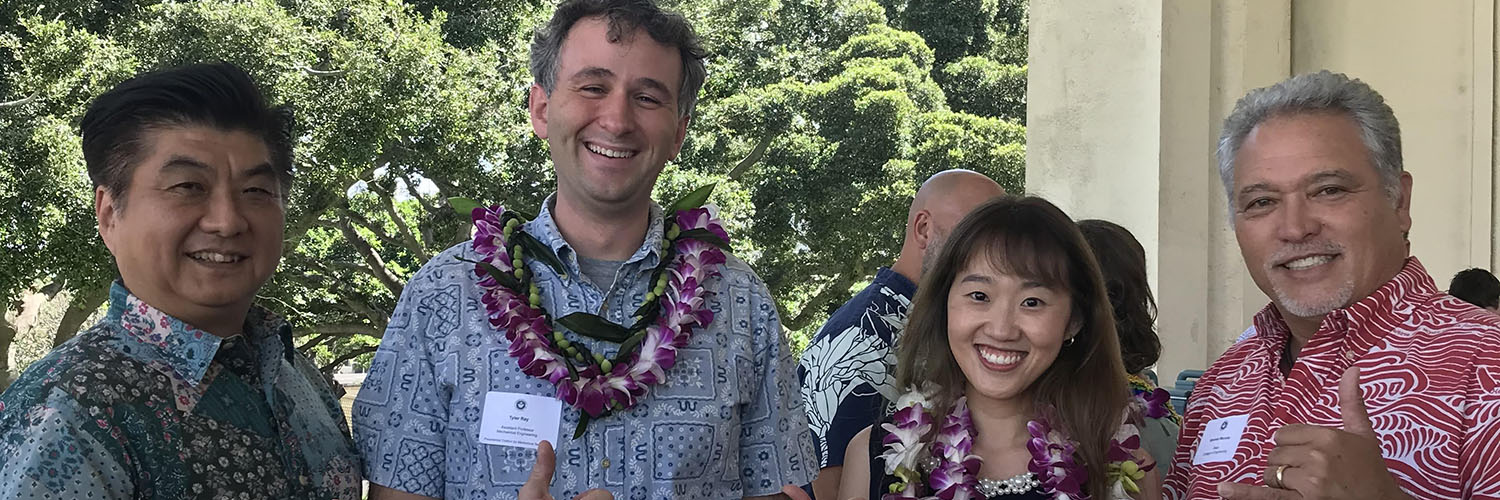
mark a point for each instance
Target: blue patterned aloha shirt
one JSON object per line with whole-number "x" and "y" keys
{"x": 728, "y": 422}
{"x": 144, "y": 406}
{"x": 848, "y": 370}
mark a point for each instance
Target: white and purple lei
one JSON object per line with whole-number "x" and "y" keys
{"x": 956, "y": 476}
{"x": 593, "y": 384}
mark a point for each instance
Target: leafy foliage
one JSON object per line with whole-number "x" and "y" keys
{"x": 818, "y": 121}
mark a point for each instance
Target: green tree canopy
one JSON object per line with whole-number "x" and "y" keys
{"x": 818, "y": 121}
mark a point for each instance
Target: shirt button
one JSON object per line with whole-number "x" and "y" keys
{"x": 1349, "y": 355}
{"x": 604, "y": 463}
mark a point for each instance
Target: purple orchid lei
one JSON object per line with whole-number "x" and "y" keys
{"x": 1153, "y": 401}
{"x": 1054, "y": 461}
{"x": 955, "y": 477}
{"x": 593, "y": 384}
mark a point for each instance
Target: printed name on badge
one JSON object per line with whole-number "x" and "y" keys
{"x": 1219, "y": 439}
{"x": 520, "y": 420}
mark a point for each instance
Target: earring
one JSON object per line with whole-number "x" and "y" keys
{"x": 1070, "y": 340}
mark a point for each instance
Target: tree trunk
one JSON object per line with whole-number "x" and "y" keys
{"x": 80, "y": 307}
{"x": 7, "y": 336}
{"x": 834, "y": 290}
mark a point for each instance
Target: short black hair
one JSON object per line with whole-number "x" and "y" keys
{"x": 219, "y": 95}
{"x": 1476, "y": 286}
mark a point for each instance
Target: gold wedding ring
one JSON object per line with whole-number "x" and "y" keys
{"x": 1280, "y": 482}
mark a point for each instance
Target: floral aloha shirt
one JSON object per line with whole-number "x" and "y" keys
{"x": 144, "y": 406}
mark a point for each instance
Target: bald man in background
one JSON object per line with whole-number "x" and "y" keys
{"x": 847, "y": 371}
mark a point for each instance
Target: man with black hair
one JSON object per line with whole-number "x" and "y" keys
{"x": 185, "y": 388}
{"x": 463, "y": 401}
{"x": 1476, "y": 286}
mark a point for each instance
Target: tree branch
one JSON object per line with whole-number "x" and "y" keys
{"x": 444, "y": 186}
{"x": 409, "y": 240}
{"x": 356, "y": 352}
{"x": 834, "y": 290}
{"x": 341, "y": 329}
{"x": 364, "y": 222}
{"x": 431, "y": 210}
{"x": 411, "y": 187}
{"x": 355, "y": 305}
{"x": 376, "y": 265}
{"x": 310, "y": 71}
{"x": 316, "y": 341}
{"x": 20, "y": 102}
{"x": 754, "y": 157}
{"x": 325, "y": 271}
{"x": 320, "y": 277}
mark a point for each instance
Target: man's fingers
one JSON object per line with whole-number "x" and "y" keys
{"x": 541, "y": 472}
{"x": 546, "y": 461}
{"x": 1300, "y": 434}
{"x": 1292, "y": 478}
{"x": 794, "y": 493}
{"x": 595, "y": 494}
{"x": 1352, "y": 404}
{"x": 1242, "y": 491}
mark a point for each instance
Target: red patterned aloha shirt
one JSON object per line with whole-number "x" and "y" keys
{"x": 1429, "y": 369}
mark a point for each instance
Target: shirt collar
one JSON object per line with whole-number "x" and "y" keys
{"x": 188, "y": 350}
{"x": 898, "y": 281}
{"x": 544, "y": 229}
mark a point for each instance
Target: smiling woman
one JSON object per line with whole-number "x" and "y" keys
{"x": 1011, "y": 341}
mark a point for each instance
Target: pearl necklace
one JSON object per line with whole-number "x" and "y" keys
{"x": 1020, "y": 483}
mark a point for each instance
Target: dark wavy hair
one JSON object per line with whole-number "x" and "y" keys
{"x": 1029, "y": 237}
{"x": 1123, "y": 262}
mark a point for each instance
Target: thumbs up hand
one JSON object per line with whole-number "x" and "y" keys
{"x": 1311, "y": 462}
{"x": 535, "y": 487}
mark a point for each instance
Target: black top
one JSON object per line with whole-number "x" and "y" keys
{"x": 880, "y": 483}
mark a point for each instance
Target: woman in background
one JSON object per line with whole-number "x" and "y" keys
{"x": 1122, "y": 260}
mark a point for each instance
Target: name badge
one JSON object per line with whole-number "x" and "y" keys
{"x": 1219, "y": 439}
{"x": 520, "y": 420}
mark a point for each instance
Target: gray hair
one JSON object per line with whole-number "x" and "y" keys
{"x": 624, "y": 16}
{"x": 1321, "y": 92}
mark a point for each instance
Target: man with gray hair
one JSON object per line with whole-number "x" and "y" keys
{"x": 1363, "y": 381}
{"x": 481, "y": 373}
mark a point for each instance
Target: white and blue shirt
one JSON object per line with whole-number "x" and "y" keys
{"x": 847, "y": 371}
{"x": 727, "y": 423}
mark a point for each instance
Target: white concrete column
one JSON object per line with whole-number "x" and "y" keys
{"x": 1252, "y": 49}
{"x": 1435, "y": 67}
{"x": 1125, "y": 98}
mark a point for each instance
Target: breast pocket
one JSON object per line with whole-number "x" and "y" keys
{"x": 684, "y": 450}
